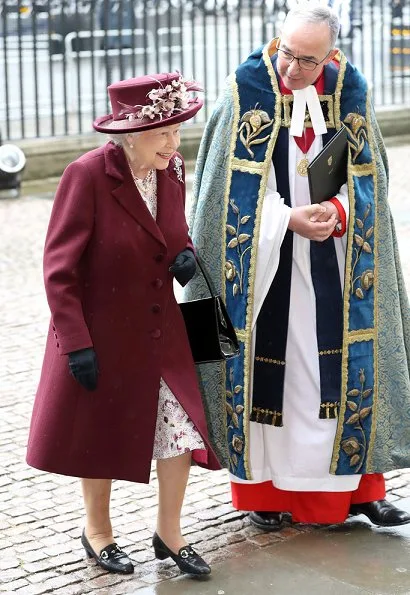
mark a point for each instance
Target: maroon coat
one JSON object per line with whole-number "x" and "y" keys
{"x": 106, "y": 274}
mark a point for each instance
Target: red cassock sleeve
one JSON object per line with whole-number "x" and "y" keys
{"x": 338, "y": 233}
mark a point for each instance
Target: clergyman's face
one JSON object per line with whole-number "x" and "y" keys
{"x": 303, "y": 40}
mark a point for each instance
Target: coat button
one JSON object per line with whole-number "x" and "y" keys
{"x": 158, "y": 283}
{"x": 159, "y": 257}
{"x": 156, "y": 333}
{"x": 156, "y": 308}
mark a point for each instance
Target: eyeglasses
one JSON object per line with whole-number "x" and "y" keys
{"x": 303, "y": 63}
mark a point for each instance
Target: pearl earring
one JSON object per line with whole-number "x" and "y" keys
{"x": 131, "y": 146}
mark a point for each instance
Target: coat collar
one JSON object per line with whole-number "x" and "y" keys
{"x": 126, "y": 193}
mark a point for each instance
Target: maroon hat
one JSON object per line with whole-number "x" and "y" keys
{"x": 149, "y": 102}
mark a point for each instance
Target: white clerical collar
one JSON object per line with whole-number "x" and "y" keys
{"x": 301, "y": 98}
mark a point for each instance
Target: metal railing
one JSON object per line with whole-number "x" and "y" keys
{"x": 57, "y": 57}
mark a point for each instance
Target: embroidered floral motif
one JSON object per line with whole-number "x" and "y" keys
{"x": 356, "y": 133}
{"x": 178, "y": 168}
{"x": 359, "y": 284}
{"x": 163, "y": 102}
{"x": 235, "y": 273}
{"x": 356, "y": 447}
{"x": 234, "y": 422}
{"x": 253, "y": 123}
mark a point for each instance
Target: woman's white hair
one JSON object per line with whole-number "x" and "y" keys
{"x": 119, "y": 139}
{"x": 312, "y": 12}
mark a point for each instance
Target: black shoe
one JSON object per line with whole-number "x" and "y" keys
{"x": 268, "y": 521}
{"x": 381, "y": 513}
{"x": 111, "y": 558}
{"x": 186, "y": 559}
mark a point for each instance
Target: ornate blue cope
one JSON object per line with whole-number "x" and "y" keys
{"x": 229, "y": 190}
{"x": 269, "y": 364}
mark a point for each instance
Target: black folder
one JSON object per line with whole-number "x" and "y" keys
{"x": 328, "y": 170}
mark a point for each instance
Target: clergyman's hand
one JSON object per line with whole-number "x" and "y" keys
{"x": 303, "y": 221}
{"x": 330, "y": 210}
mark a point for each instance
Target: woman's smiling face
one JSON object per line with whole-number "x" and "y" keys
{"x": 153, "y": 149}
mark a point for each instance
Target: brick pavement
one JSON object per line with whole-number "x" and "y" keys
{"x": 41, "y": 514}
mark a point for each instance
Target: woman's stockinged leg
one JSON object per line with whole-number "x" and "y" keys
{"x": 167, "y": 541}
{"x": 173, "y": 476}
{"x": 98, "y": 530}
{"x": 97, "y": 538}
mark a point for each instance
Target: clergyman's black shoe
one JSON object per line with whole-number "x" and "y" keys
{"x": 111, "y": 558}
{"x": 267, "y": 521}
{"x": 186, "y": 559}
{"x": 381, "y": 513}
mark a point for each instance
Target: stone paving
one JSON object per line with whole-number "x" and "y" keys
{"x": 41, "y": 514}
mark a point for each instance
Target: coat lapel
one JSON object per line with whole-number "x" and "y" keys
{"x": 167, "y": 196}
{"x": 126, "y": 192}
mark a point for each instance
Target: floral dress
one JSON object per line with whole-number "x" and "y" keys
{"x": 175, "y": 433}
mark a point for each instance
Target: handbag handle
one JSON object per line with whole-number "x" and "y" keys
{"x": 205, "y": 274}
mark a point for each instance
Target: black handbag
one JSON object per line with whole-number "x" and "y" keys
{"x": 211, "y": 335}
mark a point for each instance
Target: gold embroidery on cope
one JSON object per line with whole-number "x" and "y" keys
{"x": 234, "y": 412}
{"x": 362, "y": 334}
{"x": 356, "y": 133}
{"x": 247, "y": 166}
{"x": 241, "y": 334}
{"x": 239, "y": 239}
{"x": 241, "y": 441}
{"x": 346, "y": 292}
{"x": 236, "y": 114}
{"x": 253, "y": 123}
{"x": 363, "y": 282}
{"x": 355, "y": 447}
{"x": 376, "y": 243}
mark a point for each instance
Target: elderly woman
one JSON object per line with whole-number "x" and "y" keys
{"x": 118, "y": 386}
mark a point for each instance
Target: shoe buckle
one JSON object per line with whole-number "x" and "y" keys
{"x": 184, "y": 553}
{"x": 104, "y": 555}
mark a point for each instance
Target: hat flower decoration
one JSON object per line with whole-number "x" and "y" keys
{"x": 149, "y": 101}
{"x": 164, "y": 101}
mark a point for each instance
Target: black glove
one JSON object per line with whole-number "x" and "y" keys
{"x": 184, "y": 266}
{"x": 84, "y": 367}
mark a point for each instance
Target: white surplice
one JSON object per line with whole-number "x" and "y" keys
{"x": 297, "y": 456}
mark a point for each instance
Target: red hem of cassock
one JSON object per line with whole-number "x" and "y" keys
{"x": 307, "y": 507}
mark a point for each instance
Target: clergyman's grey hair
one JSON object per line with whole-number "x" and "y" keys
{"x": 315, "y": 15}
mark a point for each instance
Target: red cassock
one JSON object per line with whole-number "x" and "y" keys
{"x": 308, "y": 507}
{"x": 108, "y": 285}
